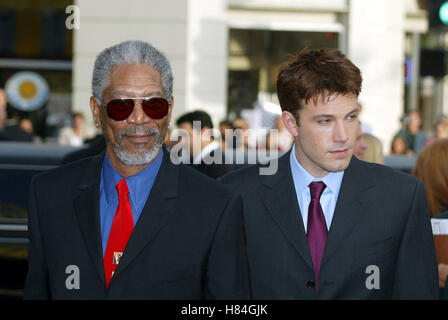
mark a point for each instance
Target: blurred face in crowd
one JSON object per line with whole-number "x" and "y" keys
{"x": 3, "y": 102}
{"x": 360, "y": 144}
{"x": 442, "y": 129}
{"x": 325, "y": 134}
{"x": 78, "y": 122}
{"x": 414, "y": 122}
{"x": 399, "y": 146}
{"x": 194, "y": 136}
{"x": 26, "y": 125}
{"x": 136, "y": 140}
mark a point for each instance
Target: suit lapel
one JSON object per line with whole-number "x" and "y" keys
{"x": 280, "y": 199}
{"x": 351, "y": 205}
{"x": 87, "y": 212}
{"x": 159, "y": 208}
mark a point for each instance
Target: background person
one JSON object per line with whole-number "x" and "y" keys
{"x": 440, "y": 130}
{"x": 415, "y": 138}
{"x": 207, "y": 155}
{"x": 73, "y": 135}
{"x": 360, "y": 144}
{"x": 17, "y": 129}
{"x": 374, "y": 150}
{"x": 3, "y": 115}
{"x": 432, "y": 168}
{"x": 242, "y": 139}
{"x": 399, "y": 146}
{"x": 223, "y": 126}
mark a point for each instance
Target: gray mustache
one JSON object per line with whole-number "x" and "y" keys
{"x": 139, "y": 130}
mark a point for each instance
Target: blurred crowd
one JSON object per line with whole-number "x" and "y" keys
{"x": 19, "y": 127}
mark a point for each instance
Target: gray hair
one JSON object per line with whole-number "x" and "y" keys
{"x": 130, "y": 52}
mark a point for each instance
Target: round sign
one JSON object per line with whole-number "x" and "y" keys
{"x": 443, "y": 13}
{"x": 27, "y": 91}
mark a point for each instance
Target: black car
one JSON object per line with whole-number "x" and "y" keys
{"x": 19, "y": 162}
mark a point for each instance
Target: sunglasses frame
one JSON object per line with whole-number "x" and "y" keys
{"x": 105, "y": 105}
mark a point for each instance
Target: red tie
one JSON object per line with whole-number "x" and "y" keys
{"x": 120, "y": 231}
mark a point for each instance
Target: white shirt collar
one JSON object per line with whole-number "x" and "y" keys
{"x": 302, "y": 178}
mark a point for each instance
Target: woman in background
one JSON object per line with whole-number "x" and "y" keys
{"x": 432, "y": 168}
{"x": 399, "y": 147}
{"x": 374, "y": 151}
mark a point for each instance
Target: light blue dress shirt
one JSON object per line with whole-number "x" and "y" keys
{"x": 329, "y": 197}
{"x": 139, "y": 186}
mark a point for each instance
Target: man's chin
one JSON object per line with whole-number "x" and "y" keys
{"x": 341, "y": 166}
{"x": 138, "y": 157}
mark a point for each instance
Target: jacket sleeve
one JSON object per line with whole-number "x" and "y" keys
{"x": 36, "y": 284}
{"x": 416, "y": 274}
{"x": 227, "y": 274}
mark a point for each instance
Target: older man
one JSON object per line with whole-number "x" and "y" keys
{"x": 128, "y": 224}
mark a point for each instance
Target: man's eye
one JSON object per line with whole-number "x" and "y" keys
{"x": 323, "y": 121}
{"x": 353, "y": 116}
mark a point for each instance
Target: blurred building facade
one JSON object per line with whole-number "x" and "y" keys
{"x": 34, "y": 39}
{"x": 224, "y": 52}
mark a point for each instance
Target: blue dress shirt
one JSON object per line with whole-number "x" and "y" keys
{"x": 139, "y": 185}
{"x": 329, "y": 197}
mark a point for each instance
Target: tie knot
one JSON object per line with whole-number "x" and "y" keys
{"x": 122, "y": 188}
{"x": 316, "y": 189}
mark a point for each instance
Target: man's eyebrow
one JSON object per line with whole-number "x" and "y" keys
{"x": 323, "y": 115}
{"x": 356, "y": 110}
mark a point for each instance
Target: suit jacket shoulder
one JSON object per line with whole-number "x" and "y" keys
{"x": 187, "y": 244}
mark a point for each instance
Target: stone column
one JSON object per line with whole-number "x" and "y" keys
{"x": 376, "y": 46}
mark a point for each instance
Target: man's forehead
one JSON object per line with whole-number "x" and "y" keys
{"x": 327, "y": 97}
{"x": 323, "y": 101}
{"x": 143, "y": 92}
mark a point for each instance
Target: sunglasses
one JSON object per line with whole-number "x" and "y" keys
{"x": 120, "y": 109}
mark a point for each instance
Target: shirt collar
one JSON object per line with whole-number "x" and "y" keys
{"x": 302, "y": 178}
{"x": 135, "y": 182}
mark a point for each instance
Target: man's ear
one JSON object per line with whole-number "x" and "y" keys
{"x": 170, "y": 110}
{"x": 290, "y": 123}
{"x": 96, "y": 112}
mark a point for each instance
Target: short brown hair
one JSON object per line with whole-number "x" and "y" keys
{"x": 432, "y": 169}
{"x": 313, "y": 74}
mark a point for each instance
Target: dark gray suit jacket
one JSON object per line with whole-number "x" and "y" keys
{"x": 187, "y": 244}
{"x": 381, "y": 219}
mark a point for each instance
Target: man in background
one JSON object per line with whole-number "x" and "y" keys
{"x": 3, "y": 115}
{"x": 415, "y": 138}
{"x": 206, "y": 153}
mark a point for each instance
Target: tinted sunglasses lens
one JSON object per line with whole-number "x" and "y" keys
{"x": 156, "y": 108}
{"x": 119, "y": 109}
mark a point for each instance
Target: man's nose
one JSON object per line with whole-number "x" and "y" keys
{"x": 138, "y": 115}
{"x": 340, "y": 133}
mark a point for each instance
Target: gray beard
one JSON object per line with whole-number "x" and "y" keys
{"x": 137, "y": 158}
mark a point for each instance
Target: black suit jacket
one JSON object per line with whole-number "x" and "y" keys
{"x": 381, "y": 219}
{"x": 209, "y": 167}
{"x": 187, "y": 244}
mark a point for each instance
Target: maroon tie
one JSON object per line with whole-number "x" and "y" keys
{"x": 317, "y": 228}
